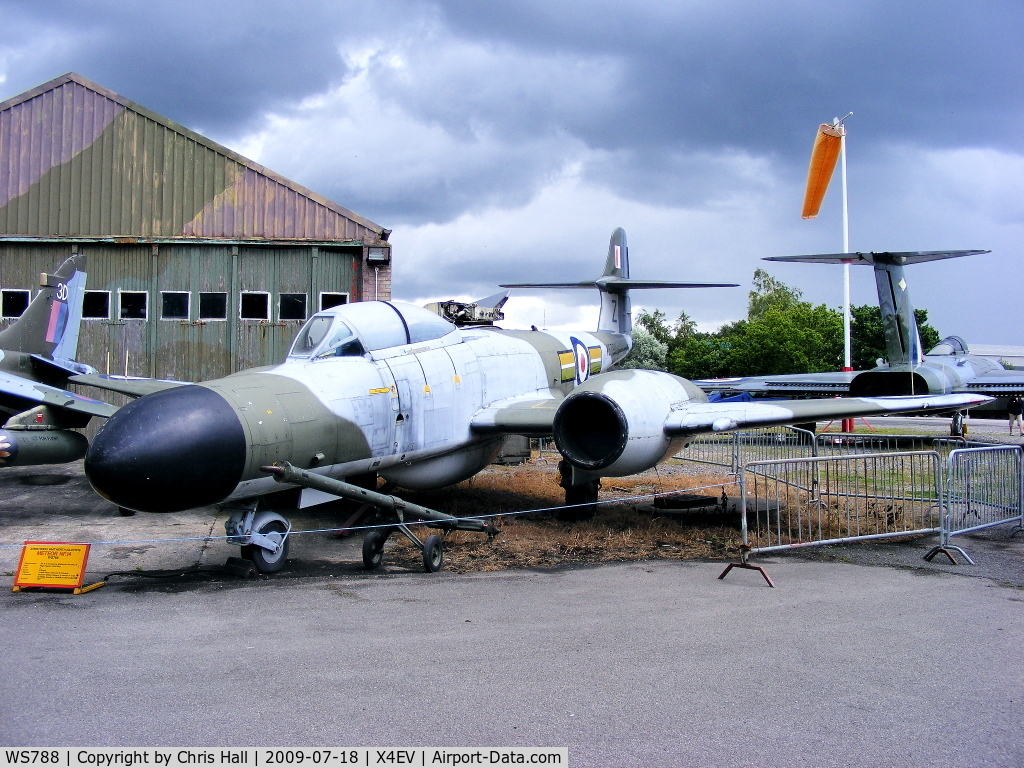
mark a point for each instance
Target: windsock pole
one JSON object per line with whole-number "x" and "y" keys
{"x": 848, "y": 424}
{"x": 829, "y": 146}
{"x": 847, "y": 343}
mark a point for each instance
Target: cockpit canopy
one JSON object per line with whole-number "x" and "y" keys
{"x": 366, "y": 326}
{"x": 951, "y": 345}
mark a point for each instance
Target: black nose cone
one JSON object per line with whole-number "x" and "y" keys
{"x": 172, "y": 450}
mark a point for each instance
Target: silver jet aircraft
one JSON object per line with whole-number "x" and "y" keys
{"x": 37, "y": 354}
{"x": 947, "y": 368}
{"x": 390, "y": 389}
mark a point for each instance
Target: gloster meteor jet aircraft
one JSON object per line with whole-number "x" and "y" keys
{"x": 36, "y": 358}
{"x": 397, "y": 391}
{"x": 947, "y": 368}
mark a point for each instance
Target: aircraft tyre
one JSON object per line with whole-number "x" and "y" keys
{"x": 125, "y": 512}
{"x": 433, "y": 553}
{"x": 264, "y": 560}
{"x": 958, "y": 427}
{"x": 373, "y": 548}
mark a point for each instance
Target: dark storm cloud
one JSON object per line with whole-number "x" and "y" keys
{"x": 659, "y": 88}
{"x": 755, "y": 75}
{"x": 215, "y": 67}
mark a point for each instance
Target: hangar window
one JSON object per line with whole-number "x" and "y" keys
{"x": 96, "y": 305}
{"x": 328, "y": 300}
{"x": 291, "y": 306}
{"x": 213, "y": 305}
{"x": 133, "y": 305}
{"x": 254, "y": 306}
{"x": 174, "y": 305}
{"x": 13, "y": 303}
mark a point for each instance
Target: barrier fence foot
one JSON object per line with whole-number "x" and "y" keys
{"x": 748, "y": 567}
{"x": 946, "y": 551}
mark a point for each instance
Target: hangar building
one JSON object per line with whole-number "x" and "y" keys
{"x": 200, "y": 261}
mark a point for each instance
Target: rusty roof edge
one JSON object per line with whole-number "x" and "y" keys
{"x": 41, "y": 89}
{"x": 197, "y": 137}
{"x": 134, "y": 240}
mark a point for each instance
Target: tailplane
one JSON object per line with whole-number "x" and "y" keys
{"x": 48, "y": 327}
{"x": 614, "y": 286}
{"x": 902, "y": 340}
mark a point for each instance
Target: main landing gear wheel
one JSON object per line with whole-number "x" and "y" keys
{"x": 958, "y": 427}
{"x": 265, "y": 560}
{"x": 433, "y": 553}
{"x": 373, "y": 548}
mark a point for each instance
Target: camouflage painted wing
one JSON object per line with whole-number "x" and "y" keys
{"x": 720, "y": 417}
{"x": 126, "y": 385}
{"x": 517, "y": 416}
{"x": 18, "y": 394}
{"x": 817, "y": 384}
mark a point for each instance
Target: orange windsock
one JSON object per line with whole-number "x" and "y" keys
{"x": 827, "y": 145}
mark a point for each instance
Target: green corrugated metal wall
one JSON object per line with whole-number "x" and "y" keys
{"x": 192, "y": 349}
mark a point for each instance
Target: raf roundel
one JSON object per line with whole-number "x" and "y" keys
{"x": 582, "y": 355}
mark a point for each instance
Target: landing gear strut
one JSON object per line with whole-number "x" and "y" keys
{"x": 958, "y": 426}
{"x": 263, "y": 537}
{"x": 580, "y": 493}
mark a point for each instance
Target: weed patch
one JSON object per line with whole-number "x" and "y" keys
{"x": 624, "y": 529}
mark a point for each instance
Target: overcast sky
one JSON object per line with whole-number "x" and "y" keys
{"x": 504, "y": 141}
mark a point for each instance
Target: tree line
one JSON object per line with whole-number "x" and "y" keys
{"x": 781, "y": 334}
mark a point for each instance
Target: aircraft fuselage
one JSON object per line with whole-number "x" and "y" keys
{"x": 403, "y": 412}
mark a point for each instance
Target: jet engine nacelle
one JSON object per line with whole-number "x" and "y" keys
{"x": 24, "y": 447}
{"x": 614, "y": 424}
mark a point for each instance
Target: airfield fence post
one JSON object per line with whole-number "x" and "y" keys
{"x": 745, "y": 545}
{"x": 744, "y": 533}
{"x": 984, "y": 488}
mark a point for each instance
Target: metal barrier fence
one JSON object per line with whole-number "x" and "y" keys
{"x": 983, "y": 489}
{"x": 734, "y": 449}
{"x": 793, "y": 503}
{"x": 840, "y": 443}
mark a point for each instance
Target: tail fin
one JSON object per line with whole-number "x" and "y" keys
{"x": 616, "y": 312}
{"x": 614, "y": 286}
{"x": 49, "y": 326}
{"x": 902, "y": 340}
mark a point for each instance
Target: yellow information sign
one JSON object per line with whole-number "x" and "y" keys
{"x": 51, "y": 564}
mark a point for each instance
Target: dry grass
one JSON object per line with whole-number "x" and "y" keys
{"x": 620, "y": 531}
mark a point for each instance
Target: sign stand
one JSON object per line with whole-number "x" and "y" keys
{"x": 54, "y": 564}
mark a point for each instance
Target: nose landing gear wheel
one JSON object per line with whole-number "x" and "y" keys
{"x": 265, "y": 560}
{"x": 373, "y": 548}
{"x": 433, "y": 553}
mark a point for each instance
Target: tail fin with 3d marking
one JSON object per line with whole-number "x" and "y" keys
{"x": 49, "y": 325}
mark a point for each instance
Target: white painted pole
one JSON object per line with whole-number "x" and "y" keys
{"x": 847, "y": 345}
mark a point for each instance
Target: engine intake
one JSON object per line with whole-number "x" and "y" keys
{"x": 590, "y": 430}
{"x": 614, "y": 424}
